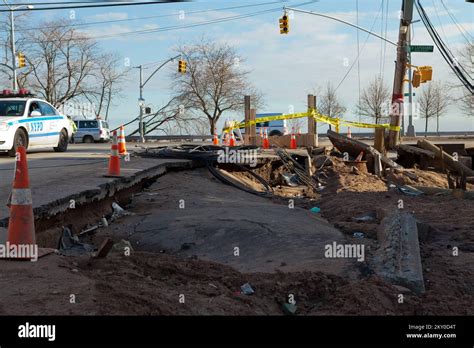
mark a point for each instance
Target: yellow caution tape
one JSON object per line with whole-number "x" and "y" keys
{"x": 318, "y": 117}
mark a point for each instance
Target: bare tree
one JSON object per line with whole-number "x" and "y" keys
{"x": 442, "y": 100}
{"x": 61, "y": 61}
{"x": 109, "y": 79}
{"x": 373, "y": 101}
{"x": 428, "y": 103}
{"x": 215, "y": 81}
{"x": 328, "y": 103}
{"x": 466, "y": 100}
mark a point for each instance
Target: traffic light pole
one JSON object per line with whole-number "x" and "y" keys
{"x": 141, "y": 100}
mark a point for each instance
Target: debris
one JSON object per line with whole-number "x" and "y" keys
{"x": 105, "y": 248}
{"x": 358, "y": 235}
{"x": 69, "y": 245}
{"x": 409, "y": 190}
{"x": 120, "y": 246}
{"x": 291, "y": 179}
{"x": 246, "y": 289}
{"x": 315, "y": 210}
{"x": 366, "y": 218}
{"x": 104, "y": 222}
{"x": 118, "y": 211}
{"x": 89, "y": 229}
{"x": 447, "y": 160}
{"x": 321, "y": 161}
{"x": 289, "y": 309}
{"x": 398, "y": 259}
{"x": 354, "y": 147}
{"x": 359, "y": 157}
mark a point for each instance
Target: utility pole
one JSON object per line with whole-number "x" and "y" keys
{"x": 141, "y": 104}
{"x": 406, "y": 15}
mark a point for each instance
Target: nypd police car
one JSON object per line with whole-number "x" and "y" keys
{"x": 32, "y": 123}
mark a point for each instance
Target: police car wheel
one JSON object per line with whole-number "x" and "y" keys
{"x": 63, "y": 142}
{"x": 20, "y": 139}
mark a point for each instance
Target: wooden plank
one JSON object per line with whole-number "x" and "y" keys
{"x": 448, "y": 160}
{"x": 248, "y": 135}
{"x": 416, "y": 150}
{"x": 311, "y": 140}
{"x": 379, "y": 140}
{"x": 354, "y": 147}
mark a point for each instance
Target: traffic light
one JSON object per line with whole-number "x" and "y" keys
{"x": 284, "y": 24}
{"x": 426, "y": 73}
{"x": 21, "y": 60}
{"x": 182, "y": 66}
{"x": 416, "y": 80}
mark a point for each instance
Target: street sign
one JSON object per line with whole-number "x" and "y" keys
{"x": 408, "y": 94}
{"x": 421, "y": 48}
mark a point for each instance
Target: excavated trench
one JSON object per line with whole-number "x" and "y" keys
{"x": 84, "y": 209}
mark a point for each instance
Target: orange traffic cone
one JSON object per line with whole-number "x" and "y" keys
{"x": 232, "y": 138}
{"x": 215, "y": 140}
{"x": 114, "y": 161}
{"x": 293, "y": 139}
{"x": 349, "y": 134}
{"x": 21, "y": 225}
{"x": 266, "y": 143}
{"x": 122, "y": 147}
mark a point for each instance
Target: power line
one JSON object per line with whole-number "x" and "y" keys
{"x": 385, "y": 42}
{"x": 358, "y": 49}
{"x": 358, "y": 53}
{"x": 458, "y": 25}
{"x": 93, "y": 6}
{"x": 142, "y": 18}
{"x": 179, "y": 27}
{"x": 445, "y": 52}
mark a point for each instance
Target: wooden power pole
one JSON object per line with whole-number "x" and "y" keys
{"x": 406, "y": 15}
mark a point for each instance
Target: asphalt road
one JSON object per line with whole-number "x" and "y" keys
{"x": 58, "y": 175}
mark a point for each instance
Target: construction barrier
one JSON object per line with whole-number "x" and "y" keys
{"x": 336, "y": 122}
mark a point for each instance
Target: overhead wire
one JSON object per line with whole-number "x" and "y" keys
{"x": 180, "y": 27}
{"x": 100, "y": 5}
{"x": 112, "y": 21}
{"x": 461, "y": 29}
{"x": 447, "y": 55}
{"x": 358, "y": 53}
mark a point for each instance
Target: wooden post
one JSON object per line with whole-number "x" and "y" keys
{"x": 379, "y": 140}
{"x": 247, "y": 119}
{"x": 253, "y": 128}
{"x": 312, "y": 138}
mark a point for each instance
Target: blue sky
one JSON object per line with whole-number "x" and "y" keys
{"x": 284, "y": 67}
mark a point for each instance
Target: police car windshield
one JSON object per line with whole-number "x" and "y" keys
{"x": 12, "y": 107}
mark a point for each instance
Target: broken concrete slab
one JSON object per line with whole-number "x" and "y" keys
{"x": 398, "y": 259}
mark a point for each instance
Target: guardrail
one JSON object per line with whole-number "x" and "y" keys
{"x": 136, "y": 138}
